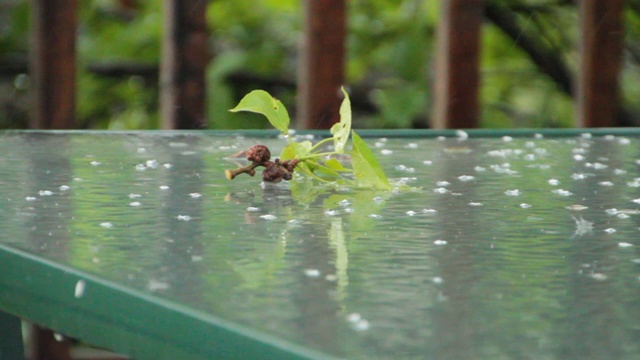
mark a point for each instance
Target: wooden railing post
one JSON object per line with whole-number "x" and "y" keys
{"x": 53, "y": 63}
{"x": 321, "y": 71}
{"x": 457, "y": 78}
{"x": 601, "y": 45}
{"x": 184, "y": 62}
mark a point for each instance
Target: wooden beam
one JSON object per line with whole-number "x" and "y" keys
{"x": 53, "y": 63}
{"x": 184, "y": 61}
{"x": 601, "y": 45}
{"x": 457, "y": 78}
{"x": 321, "y": 69}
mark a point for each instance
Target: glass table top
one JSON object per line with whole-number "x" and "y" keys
{"x": 523, "y": 247}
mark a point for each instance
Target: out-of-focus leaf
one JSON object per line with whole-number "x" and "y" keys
{"x": 259, "y": 101}
{"x": 366, "y": 168}
{"x": 341, "y": 130}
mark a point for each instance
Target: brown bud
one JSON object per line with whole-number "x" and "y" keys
{"x": 258, "y": 153}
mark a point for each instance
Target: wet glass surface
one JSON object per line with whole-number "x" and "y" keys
{"x": 510, "y": 248}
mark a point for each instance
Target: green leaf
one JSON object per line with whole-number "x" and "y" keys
{"x": 366, "y": 168}
{"x": 295, "y": 150}
{"x": 341, "y": 130}
{"x": 259, "y": 101}
{"x": 335, "y": 165}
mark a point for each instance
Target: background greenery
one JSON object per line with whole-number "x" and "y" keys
{"x": 254, "y": 45}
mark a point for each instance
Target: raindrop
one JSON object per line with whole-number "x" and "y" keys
{"x": 163, "y": 187}
{"x": 152, "y": 164}
{"x": 480, "y": 169}
{"x": 386, "y": 152}
{"x": 443, "y": 183}
{"x": 64, "y": 188}
{"x": 610, "y": 230}
{"x": 156, "y": 285}
{"x": 429, "y": 211}
{"x": 312, "y": 273}
{"x": 507, "y": 138}
{"x": 599, "y": 276}
{"x": 466, "y": 177}
{"x": 79, "y": 290}
{"x": 195, "y": 195}
{"x": 375, "y": 216}
{"x": 141, "y": 167}
{"x": 605, "y": 183}
{"x": 428, "y": 162}
{"x": 525, "y": 205}
{"x": 134, "y": 204}
{"x": 440, "y": 242}
{"x": 268, "y": 217}
{"x": 95, "y": 163}
{"x": 344, "y": 202}
{"x": 134, "y": 196}
{"x": 30, "y": 198}
{"x": 562, "y": 192}
{"x": 411, "y": 213}
{"x": 184, "y": 217}
{"x": 622, "y": 216}
{"x": 637, "y": 201}
{"x": 411, "y": 146}
{"x": 475, "y": 204}
{"x": 106, "y": 225}
{"x": 554, "y": 182}
{"x": 253, "y": 209}
{"x": 167, "y": 166}
{"x": 437, "y": 280}
{"x": 45, "y": 193}
{"x": 331, "y": 212}
{"x": 441, "y": 190}
{"x": 624, "y": 245}
{"x": 577, "y": 207}
{"x": 515, "y": 192}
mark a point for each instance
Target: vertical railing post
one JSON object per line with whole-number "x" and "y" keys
{"x": 601, "y": 47}
{"x": 321, "y": 69}
{"x": 184, "y": 62}
{"x": 53, "y": 63}
{"x": 457, "y": 78}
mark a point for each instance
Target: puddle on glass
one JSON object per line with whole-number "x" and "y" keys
{"x": 512, "y": 248}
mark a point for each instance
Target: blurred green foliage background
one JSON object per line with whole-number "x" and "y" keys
{"x": 254, "y": 44}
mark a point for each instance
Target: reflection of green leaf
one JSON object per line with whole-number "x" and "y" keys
{"x": 259, "y": 101}
{"x": 366, "y": 168}
{"x": 340, "y": 131}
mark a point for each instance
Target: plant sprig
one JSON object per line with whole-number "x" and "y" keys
{"x": 315, "y": 160}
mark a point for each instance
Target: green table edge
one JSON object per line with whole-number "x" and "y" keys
{"x": 124, "y": 320}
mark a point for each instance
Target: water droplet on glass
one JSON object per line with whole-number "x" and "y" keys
{"x": 429, "y": 211}
{"x": 610, "y": 230}
{"x": 515, "y": 192}
{"x": 562, "y": 192}
{"x": 95, "y": 163}
{"x": 312, "y": 273}
{"x": 440, "y": 242}
{"x": 605, "y": 183}
{"x": 578, "y": 157}
{"x": 195, "y": 195}
{"x": 624, "y": 245}
{"x": 637, "y": 201}
{"x": 554, "y": 182}
{"x": 480, "y": 169}
{"x": 30, "y": 198}
{"x": 507, "y": 138}
{"x": 184, "y": 217}
{"x": 141, "y": 167}
{"x": 331, "y": 212}
{"x": 475, "y": 204}
{"x": 134, "y": 196}
{"x": 466, "y": 177}
{"x": 428, "y": 162}
{"x": 525, "y": 205}
{"x": 156, "y": 285}
{"x": 411, "y": 213}
{"x": 462, "y": 135}
{"x": 163, "y": 187}
{"x": 437, "y": 280}
{"x": 386, "y": 152}
{"x": 135, "y": 204}
{"x": 106, "y": 225}
{"x": 152, "y": 164}
{"x": 599, "y": 276}
{"x": 375, "y": 216}
{"x": 577, "y": 207}
{"x": 268, "y": 217}
{"x": 45, "y": 193}
{"x": 64, "y": 188}
{"x": 79, "y": 290}
{"x": 253, "y": 209}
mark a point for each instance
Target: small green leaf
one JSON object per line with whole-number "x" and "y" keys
{"x": 259, "y": 101}
{"x": 296, "y": 150}
{"x": 341, "y": 130}
{"x": 366, "y": 168}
